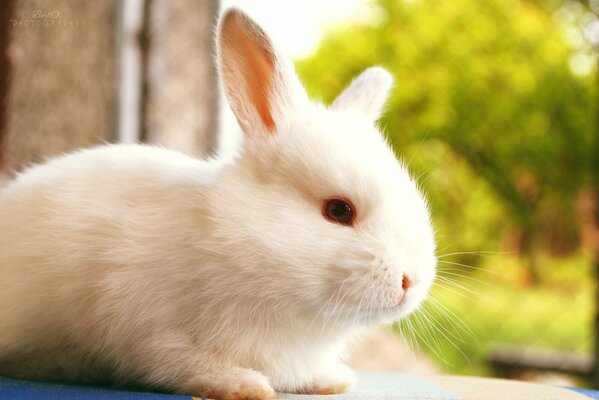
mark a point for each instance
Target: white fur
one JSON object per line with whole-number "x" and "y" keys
{"x": 367, "y": 94}
{"x": 141, "y": 265}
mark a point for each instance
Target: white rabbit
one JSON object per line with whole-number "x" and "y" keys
{"x": 231, "y": 279}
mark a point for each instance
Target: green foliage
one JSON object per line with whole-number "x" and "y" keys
{"x": 486, "y": 107}
{"x": 496, "y": 119}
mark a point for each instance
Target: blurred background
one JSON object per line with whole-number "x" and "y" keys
{"x": 495, "y": 112}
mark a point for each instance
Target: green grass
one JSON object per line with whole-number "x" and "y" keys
{"x": 495, "y": 305}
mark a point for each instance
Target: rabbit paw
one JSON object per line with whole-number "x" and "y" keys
{"x": 338, "y": 378}
{"x": 234, "y": 384}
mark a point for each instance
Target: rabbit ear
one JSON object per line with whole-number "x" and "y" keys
{"x": 367, "y": 93}
{"x": 258, "y": 84}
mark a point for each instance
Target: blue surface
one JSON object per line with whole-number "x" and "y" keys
{"x": 593, "y": 394}
{"x": 379, "y": 386}
{"x": 29, "y": 390}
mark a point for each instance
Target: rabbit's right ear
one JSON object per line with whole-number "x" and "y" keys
{"x": 260, "y": 86}
{"x": 367, "y": 93}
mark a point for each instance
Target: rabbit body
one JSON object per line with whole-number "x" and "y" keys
{"x": 139, "y": 265}
{"x": 115, "y": 266}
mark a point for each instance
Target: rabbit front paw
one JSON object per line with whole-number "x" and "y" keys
{"x": 338, "y": 378}
{"x": 232, "y": 384}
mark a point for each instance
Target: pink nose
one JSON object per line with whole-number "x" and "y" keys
{"x": 405, "y": 282}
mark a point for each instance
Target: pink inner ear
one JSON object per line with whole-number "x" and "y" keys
{"x": 258, "y": 67}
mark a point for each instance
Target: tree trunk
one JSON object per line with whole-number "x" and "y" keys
{"x": 528, "y": 250}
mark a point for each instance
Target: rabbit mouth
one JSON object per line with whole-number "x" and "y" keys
{"x": 393, "y": 309}
{"x": 398, "y": 309}
{"x": 401, "y": 308}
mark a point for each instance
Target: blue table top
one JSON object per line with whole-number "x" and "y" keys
{"x": 380, "y": 386}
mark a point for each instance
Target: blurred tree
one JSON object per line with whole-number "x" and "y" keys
{"x": 493, "y": 82}
{"x": 593, "y": 8}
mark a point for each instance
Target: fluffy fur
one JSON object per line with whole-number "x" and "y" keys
{"x": 139, "y": 265}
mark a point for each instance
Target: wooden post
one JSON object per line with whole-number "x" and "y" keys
{"x": 63, "y": 84}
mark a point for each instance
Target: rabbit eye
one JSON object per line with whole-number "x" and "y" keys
{"x": 339, "y": 210}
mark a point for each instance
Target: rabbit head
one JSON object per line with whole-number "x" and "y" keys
{"x": 330, "y": 222}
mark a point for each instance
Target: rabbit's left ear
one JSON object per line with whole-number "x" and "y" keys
{"x": 367, "y": 93}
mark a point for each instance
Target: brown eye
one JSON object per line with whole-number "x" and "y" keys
{"x": 339, "y": 210}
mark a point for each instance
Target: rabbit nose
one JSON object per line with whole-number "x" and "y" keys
{"x": 405, "y": 283}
